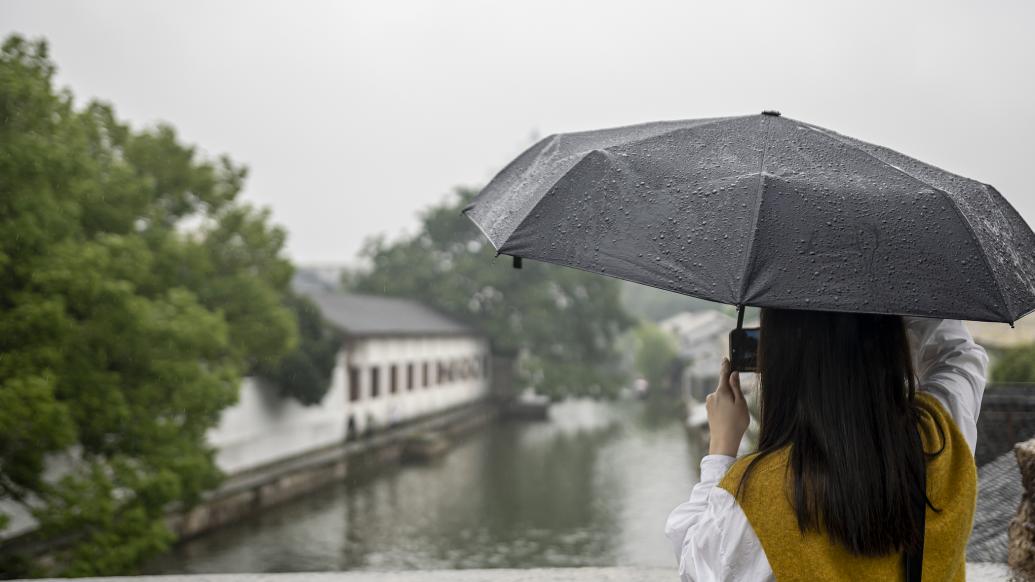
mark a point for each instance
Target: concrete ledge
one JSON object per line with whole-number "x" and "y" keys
{"x": 975, "y": 573}
{"x": 250, "y": 491}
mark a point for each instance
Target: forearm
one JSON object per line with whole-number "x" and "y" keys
{"x": 951, "y": 366}
{"x": 723, "y": 446}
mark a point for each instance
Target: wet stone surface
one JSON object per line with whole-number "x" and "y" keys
{"x": 975, "y": 573}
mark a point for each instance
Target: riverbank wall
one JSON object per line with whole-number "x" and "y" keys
{"x": 245, "y": 493}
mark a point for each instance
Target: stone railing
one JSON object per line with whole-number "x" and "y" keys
{"x": 1007, "y": 417}
{"x": 1021, "y": 552}
{"x": 975, "y": 573}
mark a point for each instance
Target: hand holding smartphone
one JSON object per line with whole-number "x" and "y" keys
{"x": 744, "y": 349}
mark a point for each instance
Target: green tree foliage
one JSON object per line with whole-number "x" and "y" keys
{"x": 136, "y": 290}
{"x": 305, "y": 373}
{"x": 1016, "y": 364}
{"x": 656, "y": 355}
{"x": 561, "y": 323}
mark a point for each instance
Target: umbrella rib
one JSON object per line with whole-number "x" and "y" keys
{"x": 663, "y": 134}
{"x": 606, "y": 150}
{"x": 966, "y": 221}
{"x": 758, "y": 208}
{"x": 984, "y": 255}
{"x": 582, "y": 157}
{"x": 585, "y": 158}
{"x": 480, "y": 229}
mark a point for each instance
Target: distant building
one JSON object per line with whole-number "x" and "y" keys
{"x": 400, "y": 360}
{"x": 702, "y": 339}
{"x": 403, "y": 359}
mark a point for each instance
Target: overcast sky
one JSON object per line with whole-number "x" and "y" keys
{"x": 354, "y": 115}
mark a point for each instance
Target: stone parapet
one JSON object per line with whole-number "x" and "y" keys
{"x": 975, "y": 573}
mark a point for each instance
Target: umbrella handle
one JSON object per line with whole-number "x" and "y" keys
{"x": 740, "y": 316}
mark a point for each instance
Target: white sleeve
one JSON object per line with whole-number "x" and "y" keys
{"x": 710, "y": 534}
{"x": 951, "y": 367}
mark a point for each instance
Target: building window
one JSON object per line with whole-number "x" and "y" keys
{"x": 393, "y": 378}
{"x": 375, "y": 381}
{"x": 427, "y": 376}
{"x": 441, "y": 376}
{"x": 353, "y": 383}
{"x": 409, "y": 376}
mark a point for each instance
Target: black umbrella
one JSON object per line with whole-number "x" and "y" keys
{"x": 765, "y": 211}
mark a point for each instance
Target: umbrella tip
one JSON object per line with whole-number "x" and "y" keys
{"x": 772, "y": 112}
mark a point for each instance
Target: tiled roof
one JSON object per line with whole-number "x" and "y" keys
{"x": 374, "y": 315}
{"x": 371, "y": 315}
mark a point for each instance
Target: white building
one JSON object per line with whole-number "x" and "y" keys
{"x": 400, "y": 360}
{"x": 702, "y": 340}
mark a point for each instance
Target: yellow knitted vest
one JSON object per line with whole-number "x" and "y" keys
{"x": 951, "y": 486}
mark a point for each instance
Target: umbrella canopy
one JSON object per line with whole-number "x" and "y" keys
{"x": 765, "y": 211}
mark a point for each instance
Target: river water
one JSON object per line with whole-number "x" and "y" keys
{"x": 590, "y": 487}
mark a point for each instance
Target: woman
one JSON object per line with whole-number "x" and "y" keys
{"x": 833, "y": 491}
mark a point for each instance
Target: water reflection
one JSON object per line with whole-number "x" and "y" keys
{"x": 590, "y": 487}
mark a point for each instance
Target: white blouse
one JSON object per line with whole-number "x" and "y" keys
{"x": 710, "y": 534}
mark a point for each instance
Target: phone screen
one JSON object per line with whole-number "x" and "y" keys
{"x": 744, "y": 349}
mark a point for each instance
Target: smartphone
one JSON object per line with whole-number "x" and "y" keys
{"x": 744, "y": 349}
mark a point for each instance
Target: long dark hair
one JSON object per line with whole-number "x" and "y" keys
{"x": 839, "y": 389}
